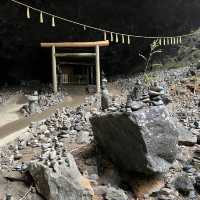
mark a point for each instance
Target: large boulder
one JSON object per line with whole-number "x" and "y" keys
{"x": 144, "y": 141}
{"x": 66, "y": 183}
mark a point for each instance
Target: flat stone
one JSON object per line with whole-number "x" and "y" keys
{"x": 153, "y": 93}
{"x": 186, "y": 137}
{"x": 136, "y": 105}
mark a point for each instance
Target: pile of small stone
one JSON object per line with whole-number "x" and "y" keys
{"x": 39, "y": 98}
{"x": 54, "y": 155}
{"x": 69, "y": 125}
{"x": 47, "y": 100}
{"x": 6, "y": 93}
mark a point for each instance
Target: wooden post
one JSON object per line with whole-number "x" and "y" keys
{"x": 54, "y": 73}
{"x": 98, "y": 76}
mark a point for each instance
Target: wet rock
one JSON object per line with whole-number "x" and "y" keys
{"x": 64, "y": 183}
{"x": 144, "y": 141}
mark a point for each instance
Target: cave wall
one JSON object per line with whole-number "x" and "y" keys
{"x": 22, "y": 58}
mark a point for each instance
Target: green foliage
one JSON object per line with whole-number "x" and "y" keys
{"x": 154, "y": 49}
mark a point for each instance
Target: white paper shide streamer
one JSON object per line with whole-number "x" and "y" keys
{"x": 41, "y": 18}
{"x": 113, "y": 36}
{"x": 129, "y": 40}
{"x": 28, "y": 13}
{"x": 53, "y": 22}
{"x": 105, "y": 35}
{"x": 160, "y": 41}
{"x": 123, "y": 40}
{"x": 116, "y": 38}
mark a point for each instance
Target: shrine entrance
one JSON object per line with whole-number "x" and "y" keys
{"x": 75, "y": 72}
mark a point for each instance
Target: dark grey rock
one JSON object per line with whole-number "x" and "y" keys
{"x": 144, "y": 141}
{"x": 158, "y": 103}
{"x": 157, "y": 98}
{"x": 187, "y": 168}
{"x": 183, "y": 184}
{"x": 166, "y": 100}
{"x": 197, "y": 183}
{"x": 65, "y": 183}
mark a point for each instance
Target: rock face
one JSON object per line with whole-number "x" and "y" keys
{"x": 65, "y": 183}
{"x": 144, "y": 141}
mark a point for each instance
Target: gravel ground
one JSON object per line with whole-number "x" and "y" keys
{"x": 68, "y": 129}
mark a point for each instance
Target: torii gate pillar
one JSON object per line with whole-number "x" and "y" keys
{"x": 54, "y": 70}
{"x": 98, "y": 71}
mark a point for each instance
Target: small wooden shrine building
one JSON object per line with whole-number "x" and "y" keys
{"x": 66, "y": 77}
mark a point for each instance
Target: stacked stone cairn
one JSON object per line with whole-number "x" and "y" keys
{"x": 105, "y": 98}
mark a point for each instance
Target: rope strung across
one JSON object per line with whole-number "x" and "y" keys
{"x": 107, "y": 35}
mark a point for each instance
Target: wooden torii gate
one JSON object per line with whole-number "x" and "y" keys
{"x": 94, "y": 45}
